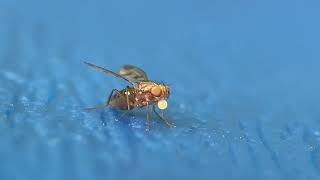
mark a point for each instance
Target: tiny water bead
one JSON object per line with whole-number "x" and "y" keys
{"x": 162, "y": 104}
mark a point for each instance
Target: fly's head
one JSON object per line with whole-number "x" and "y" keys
{"x": 159, "y": 91}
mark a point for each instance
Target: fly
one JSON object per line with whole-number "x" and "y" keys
{"x": 140, "y": 93}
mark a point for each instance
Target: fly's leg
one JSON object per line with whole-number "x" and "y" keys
{"x": 127, "y": 96}
{"x": 122, "y": 115}
{"x": 95, "y": 108}
{"x": 162, "y": 118}
{"x": 118, "y": 92}
{"x": 101, "y": 106}
{"x": 112, "y": 92}
{"x": 148, "y": 119}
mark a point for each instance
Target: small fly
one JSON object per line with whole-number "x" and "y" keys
{"x": 141, "y": 93}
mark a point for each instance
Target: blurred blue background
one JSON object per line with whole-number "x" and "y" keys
{"x": 244, "y": 79}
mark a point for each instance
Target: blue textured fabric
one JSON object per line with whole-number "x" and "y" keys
{"x": 244, "y": 78}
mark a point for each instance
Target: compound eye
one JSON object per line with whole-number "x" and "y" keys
{"x": 156, "y": 91}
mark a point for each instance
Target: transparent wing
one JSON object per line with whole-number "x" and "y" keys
{"x": 133, "y": 73}
{"x": 109, "y": 72}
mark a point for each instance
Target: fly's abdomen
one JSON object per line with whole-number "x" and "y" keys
{"x": 120, "y": 101}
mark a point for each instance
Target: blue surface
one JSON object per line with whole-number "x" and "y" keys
{"x": 244, "y": 77}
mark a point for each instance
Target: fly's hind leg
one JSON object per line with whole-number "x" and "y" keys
{"x": 127, "y": 97}
{"x": 127, "y": 93}
{"x": 110, "y": 95}
{"x": 163, "y": 118}
{"x": 101, "y": 106}
{"x": 95, "y": 108}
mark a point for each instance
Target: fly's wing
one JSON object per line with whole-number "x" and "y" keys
{"x": 109, "y": 72}
{"x": 133, "y": 73}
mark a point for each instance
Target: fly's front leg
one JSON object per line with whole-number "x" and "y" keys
{"x": 148, "y": 119}
{"x": 163, "y": 118}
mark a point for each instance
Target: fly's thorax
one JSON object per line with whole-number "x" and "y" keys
{"x": 152, "y": 91}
